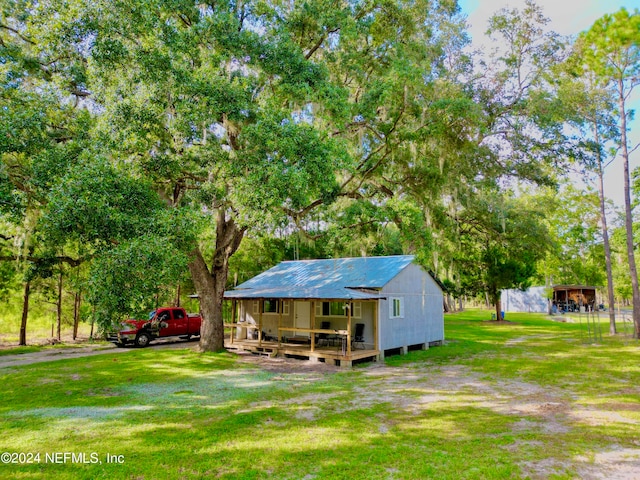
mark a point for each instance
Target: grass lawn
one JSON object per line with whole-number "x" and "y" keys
{"x": 527, "y": 399}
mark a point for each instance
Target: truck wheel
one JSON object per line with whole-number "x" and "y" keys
{"x": 143, "y": 339}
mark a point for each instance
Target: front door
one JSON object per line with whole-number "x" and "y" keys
{"x": 302, "y": 317}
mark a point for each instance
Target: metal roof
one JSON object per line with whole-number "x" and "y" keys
{"x": 574, "y": 287}
{"x": 332, "y": 279}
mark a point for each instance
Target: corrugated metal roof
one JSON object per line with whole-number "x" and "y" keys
{"x": 574, "y": 287}
{"x": 340, "y": 278}
{"x": 304, "y": 293}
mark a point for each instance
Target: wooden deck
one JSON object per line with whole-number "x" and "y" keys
{"x": 328, "y": 354}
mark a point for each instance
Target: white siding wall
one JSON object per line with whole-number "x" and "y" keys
{"x": 269, "y": 320}
{"x": 423, "y": 317}
{"x": 532, "y": 300}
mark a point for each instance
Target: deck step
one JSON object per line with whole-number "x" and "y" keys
{"x": 267, "y": 352}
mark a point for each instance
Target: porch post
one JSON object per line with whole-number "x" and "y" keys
{"x": 312, "y": 314}
{"x": 375, "y": 325}
{"x": 280, "y": 310}
{"x": 234, "y": 319}
{"x": 349, "y": 305}
{"x": 260, "y": 308}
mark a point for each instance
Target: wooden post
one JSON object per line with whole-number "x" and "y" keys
{"x": 349, "y": 329}
{"x": 234, "y": 319}
{"x": 375, "y": 325}
{"x": 312, "y": 314}
{"x": 280, "y": 311}
{"x": 260, "y": 308}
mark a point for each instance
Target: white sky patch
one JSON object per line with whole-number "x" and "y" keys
{"x": 568, "y": 17}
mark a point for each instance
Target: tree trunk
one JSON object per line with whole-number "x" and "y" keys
{"x": 210, "y": 285}
{"x": 93, "y": 321}
{"x": 25, "y": 314}
{"x": 499, "y": 309}
{"x": 176, "y": 303}
{"x": 76, "y": 314}
{"x": 627, "y": 211}
{"x": 59, "y": 306}
{"x": 212, "y": 330}
{"x": 605, "y": 238}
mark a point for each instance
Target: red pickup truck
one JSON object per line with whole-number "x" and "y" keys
{"x": 163, "y": 322}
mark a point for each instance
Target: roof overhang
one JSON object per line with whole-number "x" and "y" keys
{"x": 326, "y": 294}
{"x": 573, "y": 287}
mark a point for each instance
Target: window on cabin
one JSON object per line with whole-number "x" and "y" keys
{"x": 396, "y": 307}
{"x": 337, "y": 309}
{"x": 270, "y": 305}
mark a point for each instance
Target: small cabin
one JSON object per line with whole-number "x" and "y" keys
{"x": 338, "y": 310}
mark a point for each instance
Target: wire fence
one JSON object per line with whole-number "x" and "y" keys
{"x": 591, "y": 325}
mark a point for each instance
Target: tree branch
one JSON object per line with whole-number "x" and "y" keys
{"x": 74, "y": 262}
{"x": 13, "y": 30}
{"x": 315, "y": 47}
{"x": 320, "y": 42}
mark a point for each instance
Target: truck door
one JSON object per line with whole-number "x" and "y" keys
{"x": 180, "y": 322}
{"x": 165, "y": 323}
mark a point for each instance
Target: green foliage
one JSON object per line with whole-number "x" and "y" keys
{"x": 523, "y": 120}
{"x": 573, "y": 221}
{"x": 128, "y": 279}
{"x": 613, "y": 47}
{"x": 501, "y": 240}
{"x": 136, "y": 242}
{"x": 8, "y": 279}
{"x": 620, "y": 263}
{"x": 283, "y": 155}
{"x": 97, "y": 205}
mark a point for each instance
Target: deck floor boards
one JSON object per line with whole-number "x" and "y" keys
{"x": 322, "y": 353}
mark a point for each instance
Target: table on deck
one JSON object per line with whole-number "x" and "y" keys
{"x": 298, "y": 339}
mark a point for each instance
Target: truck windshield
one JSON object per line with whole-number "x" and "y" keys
{"x": 152, "y": 314}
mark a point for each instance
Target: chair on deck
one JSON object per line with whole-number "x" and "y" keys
{"x": 358, "y": 338}
{"x": 268, "y": 338}
{"x": 323, "y": 337}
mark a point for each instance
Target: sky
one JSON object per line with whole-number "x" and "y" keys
{"x": 568, "y": 17}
